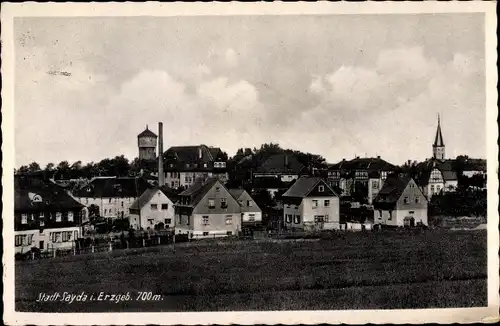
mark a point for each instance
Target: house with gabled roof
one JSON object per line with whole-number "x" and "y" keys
{"x": 400, "y": 202}
{"x": 251, "y": 214}
{"x": 367, "y": 172}
{"x": 113, "y": 195}
{"x": 435, "y": 176}
{"x": 153, "y": 209}
{"x": 311, "y": 204}
{"x": 206, "y": 210}
{"x": 45, "y": 216}
{"x": 185, "y": 164}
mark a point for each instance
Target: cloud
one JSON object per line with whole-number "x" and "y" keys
{"x": 394, "y": 105}
{"x": 231, "y": 58}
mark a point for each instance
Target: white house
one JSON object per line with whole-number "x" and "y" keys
{"x": 311, "y": 204}
{"x": 152, "y": 209}
{"x": 251, "y": 214}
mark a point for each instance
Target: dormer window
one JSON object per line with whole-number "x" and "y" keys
{"x": 70, "y": 216}
{"x": 321, "y": 188}
{"x": 24, "y": 218}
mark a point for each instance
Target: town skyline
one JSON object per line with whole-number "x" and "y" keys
{"x": 232, "y": 82}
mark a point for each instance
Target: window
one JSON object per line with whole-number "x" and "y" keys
{"x": 172, "y": 184}
{"x": 380, "y": 214}
{"x": 42, "y": 215}
{"x": 75, "y": 234}
{"x": 315, "y": 203}
{"x": 70, "y": 216}
{"x": 390, "y": 215}
{"x": 251, "y": 217}
{"x": 223, "y": 203}
{"x": 432, "y": 189}
{"x": 23, "y": 239}
{"x": 42, "y": 223}
{"x": 55, "y": 236}
{"x": 205, "y": 220}
{"x": 375, "y": 184}
{"x": 296, "y": 219}
{"x": 405, "y": 200}
{"x": 168, "y": 220}
{"x": 326, "y": 218}
{"x": 154, "y": 207}
{"x": 211, "y": 203}
{"x": 229, "y": 233}
{"x": 151, "y": 221}
{"x": 105, "y": 211}
{"x": 249, "y": 203}
{"x": 327, "y": 203}
{"x": 66, "y": 236}
{"x": 217, "y": 189}
{"x": 204, "y": 165}
{"x": 164, "y": 206}
{"x": 122, "y": 203}
{"x": 24, "y": 219}
{"x": 58, "y": 217}
{"x": 321, "y": 188}
{"x": 205, "y": 234}
{"x": 319, "y": 219}
{"x": 411, "y": 212}
{"x": 417, "y": 200}
{"x": 288, "y": 218}
{"x": 229, "y": 220}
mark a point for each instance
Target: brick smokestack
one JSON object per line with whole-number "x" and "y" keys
{"x": 161, "y": 175}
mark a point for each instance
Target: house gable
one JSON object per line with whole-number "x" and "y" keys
{"x": 321, "y": 189}
{"x": 244, "y": 198}
{"x": 412, "y": 197}
{"x": 217, "y": 192}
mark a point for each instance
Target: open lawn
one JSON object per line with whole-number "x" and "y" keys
{"x": 374, "y": 270}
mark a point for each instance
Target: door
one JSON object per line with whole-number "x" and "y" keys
{"x": 41, "y": 244}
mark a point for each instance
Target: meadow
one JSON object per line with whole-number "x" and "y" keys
{"x": 369, "y": 270}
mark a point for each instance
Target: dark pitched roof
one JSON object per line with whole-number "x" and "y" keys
{"x": 198, "y": 190}
{"x": 147, "y": 133}
{"x": 236, "y": 193}
{"x": 281, "y": 163}
{"x": 303, "y": 186}
{"x": 363, "y": 163}
{"x": 438, "y": 140}
{"x": 51, "y": 196}
{"x": 196, "y": 156}
{"x": 425, "y": 168}
{"x": 270, "y": 183}
{"x": 112, "y": 187}
{"x": 392, "y": 190}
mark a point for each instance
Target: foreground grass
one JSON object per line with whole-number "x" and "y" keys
{"x": 350, "y": 271}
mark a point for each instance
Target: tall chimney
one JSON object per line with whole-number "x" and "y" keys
{"x": 161, "y": 175}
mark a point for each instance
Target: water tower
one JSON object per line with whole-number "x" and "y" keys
{"x": 146, "y": 141}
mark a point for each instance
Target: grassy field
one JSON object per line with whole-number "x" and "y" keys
{"x": 377, "y": 270}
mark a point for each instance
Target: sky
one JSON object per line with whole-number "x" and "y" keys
{"x": 336, "y": 85}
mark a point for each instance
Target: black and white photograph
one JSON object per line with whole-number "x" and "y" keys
{"x": 250, "y": 163}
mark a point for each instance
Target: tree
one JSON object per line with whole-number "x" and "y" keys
{"x": 34, "y": 167}
{"x": 49, "y": 167}
{"x": 94, "y": 212}
{"x": 263, "y": 199}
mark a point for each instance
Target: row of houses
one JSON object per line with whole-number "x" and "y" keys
{"x": 47, "y": 216}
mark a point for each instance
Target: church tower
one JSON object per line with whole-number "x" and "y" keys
{"x": 438, "y": 146}
{"x": 146, "y": 142}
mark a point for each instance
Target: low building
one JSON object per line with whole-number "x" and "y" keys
{"x": 399, "y": 203}
{"x": 153, "y": 209}
{"x": 251, "y": 214}
{"x": 112, "y": 195}
{"x": 45, "y": 216}
{"x": 207, "y": 209}
{"x": 185, "y": 164}
{"x": 311, "y": 204}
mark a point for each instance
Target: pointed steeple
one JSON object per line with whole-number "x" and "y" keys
{"x": 438, "y": 141}
{"x": 438, "y": 146}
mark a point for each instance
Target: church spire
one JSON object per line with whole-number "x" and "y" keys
{"x": 438, "y": 146}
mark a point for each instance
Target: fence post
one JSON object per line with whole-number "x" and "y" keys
{"x": 74, "y": 251}
{"x": 143, "y": 242}
{"x": 33, "y": 255}
{"x": 92, "y": 248}
{"x": 159, "y": 240}
{"x": 54, "y": 252}
{"x": 127, "y": 244}
{"x": 110, "y": 246}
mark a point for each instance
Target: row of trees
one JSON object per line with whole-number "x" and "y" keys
{"x": 117, "y": 166}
